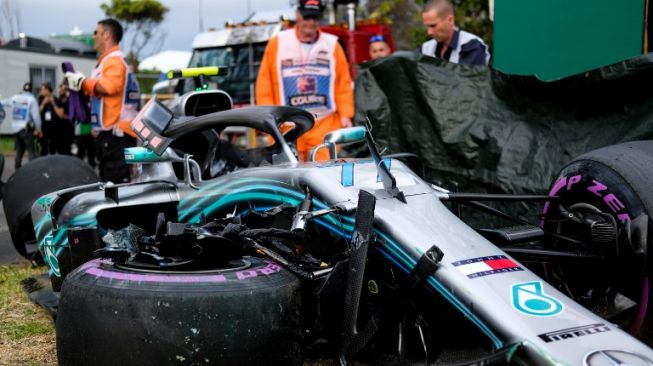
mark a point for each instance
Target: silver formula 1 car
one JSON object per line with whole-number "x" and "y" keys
{"x": 220, "y": 255}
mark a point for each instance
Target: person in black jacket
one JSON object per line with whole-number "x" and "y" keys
{"x": 448, "y": 41}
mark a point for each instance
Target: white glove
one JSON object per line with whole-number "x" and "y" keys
{"x": 74, "y": 80}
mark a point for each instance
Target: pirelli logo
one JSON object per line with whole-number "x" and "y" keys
{"x": 561, "y": 335}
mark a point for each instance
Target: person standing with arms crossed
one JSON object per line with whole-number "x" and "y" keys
{"x": 448, "y": 41}
{"x": 114, "y": 95}
{"x": 305, "y": 68}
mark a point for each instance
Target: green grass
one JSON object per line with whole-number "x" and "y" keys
{"x": 27, "y": 335}
{"x": 6, "y": 145}
{"x": 20, "y": 329}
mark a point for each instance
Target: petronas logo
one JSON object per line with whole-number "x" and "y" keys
{"x": 529, "y": 298}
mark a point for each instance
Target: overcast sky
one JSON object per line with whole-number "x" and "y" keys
{"x": 40, "y": 18}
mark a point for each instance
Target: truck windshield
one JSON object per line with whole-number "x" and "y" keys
{"x": 237, "y": 58}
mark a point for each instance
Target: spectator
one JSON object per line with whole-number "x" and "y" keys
{"x": 49, "y": 119}
{"x": 26, "y": 122}
{"x": 324, "y": 89}
{"x": 114, "y": 96}
{"x": 378, "y": 47}
{"x": 64, "y": 133}
{"x": 448, "y": 41}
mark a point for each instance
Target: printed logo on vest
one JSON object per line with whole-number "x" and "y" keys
{"x": 306, "y": 85}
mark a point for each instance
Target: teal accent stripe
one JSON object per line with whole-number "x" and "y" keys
{"x": 39, "y": 225}
{"x": 210, "y": 191}
{"x": 347, "y": 179}
{"x": 246, "y": 196}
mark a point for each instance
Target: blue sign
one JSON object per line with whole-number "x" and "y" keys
{"x": 529, "y": 298}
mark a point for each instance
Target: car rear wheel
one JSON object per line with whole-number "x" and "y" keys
{"x": 600, "y": 191}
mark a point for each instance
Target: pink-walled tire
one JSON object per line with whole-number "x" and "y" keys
{"x": 113, "y": 316}
{"x": 616, "y": 180}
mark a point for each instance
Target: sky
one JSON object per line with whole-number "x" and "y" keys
{"x": 41, "y": 18}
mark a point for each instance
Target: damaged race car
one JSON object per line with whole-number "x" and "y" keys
{"x": 217, "y": 254}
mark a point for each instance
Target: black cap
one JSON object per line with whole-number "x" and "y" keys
{"x": 27, "y": 87}
{"x": 310, "y": 8}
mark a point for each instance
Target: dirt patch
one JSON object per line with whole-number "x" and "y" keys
{"x": 33, "y": 350}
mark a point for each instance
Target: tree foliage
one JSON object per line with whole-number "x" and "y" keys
{"x": 141, "y": 20}
{"x": 405, "y": 17}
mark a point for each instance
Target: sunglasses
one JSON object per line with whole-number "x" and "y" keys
{"x": 377, "y": 38}
{"x": 310, "y": 17}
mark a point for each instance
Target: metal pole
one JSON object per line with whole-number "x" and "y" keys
{"x": 200, "y": 16}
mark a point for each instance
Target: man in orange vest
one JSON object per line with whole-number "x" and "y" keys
{"x": 114, "y": 96}
{"x": 303, "y": 67}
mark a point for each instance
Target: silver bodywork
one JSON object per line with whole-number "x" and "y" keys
{"x": 405, "y": 231}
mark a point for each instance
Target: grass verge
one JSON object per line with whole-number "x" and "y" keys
{"x": 7, "y": 144}
{"x": 26, "y": 332}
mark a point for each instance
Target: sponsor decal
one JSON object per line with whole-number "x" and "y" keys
{"x": 593, "y": 187}
{"x": 485, "y": 266}
{"x": 615, "y": 357}
{"x": 306, "y": 84}
{"x": 98, "y": 271}
{"x": 561, "y": 335}
{"x": 529, "y": 298}
{"x": 50, "y": 257}
{"x": 302, "y": 100}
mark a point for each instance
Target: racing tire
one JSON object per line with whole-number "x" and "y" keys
{"x": 33, "y": 180}
{"x": 113, "y": 316}
{"x": 615, "y": 180}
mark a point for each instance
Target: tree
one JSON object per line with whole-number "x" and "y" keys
{"x": 140, "y": 20}
{"x": 405, "y": 16}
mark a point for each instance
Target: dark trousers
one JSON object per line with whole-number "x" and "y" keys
{"x": 48, "y": 141}
{"x": 24, "y": 141}
{"x": 63, "y": 137}
{"x": 57, "y": 138}
{"x": 86, "y": 148}
{"x": 110, "y": 154}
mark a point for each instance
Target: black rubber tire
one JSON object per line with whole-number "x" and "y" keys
{"x": 110, "y": 316}
{"x": 617, "y": 180}
{"x": 33, "y": 180}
